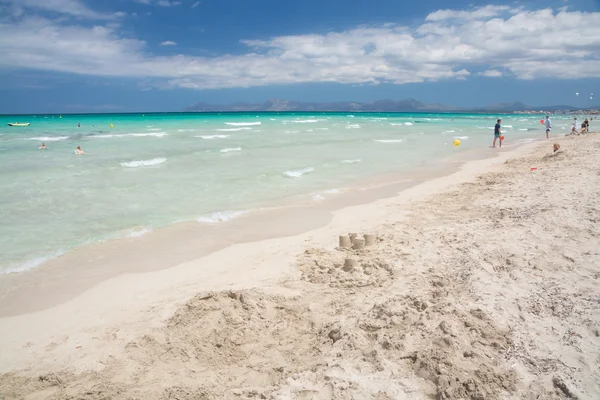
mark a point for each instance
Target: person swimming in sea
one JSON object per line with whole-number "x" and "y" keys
{"x": 78, "y": 151}
{"x": 43, "y": 147}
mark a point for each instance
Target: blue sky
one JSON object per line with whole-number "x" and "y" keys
{"x": 162, "y": 55}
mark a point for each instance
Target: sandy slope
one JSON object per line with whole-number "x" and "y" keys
{"x": 488, "y": 290}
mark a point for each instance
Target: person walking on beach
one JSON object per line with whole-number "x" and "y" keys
{"x": 574, "y": 128}
{"x": 548, "y": 127}
{"x": 497, "y": 133}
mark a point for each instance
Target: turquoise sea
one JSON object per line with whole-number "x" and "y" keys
{"x": 152, "y": 170}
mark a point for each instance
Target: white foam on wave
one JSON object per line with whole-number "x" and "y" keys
{"x": 353, "y": 126}
{"x": 396, "y": 124}
{"x": 143, "y": 163}
{"x": 378, "y": 119}
{"x": 178, "y": 130}
{"x": 299, "y": 172}
{"x": 233, "y": 129}
{"x": 305, "y": 121}
{"x": 460, "y": 137}
{"x": 158, "y": 129}
{"x": 354, "y": 161}
{"x": 389, "y": 140}
{"x": 242, "y": 123}
{"x": 152, "y": 134}
{"x": 322, "y": 129}
{"x": 332, "y": 191}
{"x": 138, "y": 233}
{"x": 507, "y": 126}
{"x": 230, "y": 149}
{"x": 350, "y": 116}
{"x": 522, "y": 129}
{"x": 209, "y": 137}
{"x": 48, "y": 138}
{"x": 29, "y": 264}
{"x": 408, "y": 123}
{"x": 291, "y": 131}
{"x": 220, "y": 216}
{"x": 310, "y": 130}
{"x": 450, "y": 131}
{"x": 318, "y": 197}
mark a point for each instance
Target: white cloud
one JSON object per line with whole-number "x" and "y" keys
{"x": 196, "y": 4}
{"x": 492, "y": 73}
{"x": 161, "y": 3}
{"x": 168, "y": 43}
{"x": 478, "y": 13}
{"x": 526, "y": 44}
{"x": 70, "y": 7}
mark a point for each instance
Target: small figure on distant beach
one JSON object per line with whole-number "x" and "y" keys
{"x": 78, "y": 151}
{"x": 497, "y": 133}
{"x": 43, "y": 147}
{"x": 79, "y": 125}
{"x": 587, "y": 125}
{"x": 548, "y": 127}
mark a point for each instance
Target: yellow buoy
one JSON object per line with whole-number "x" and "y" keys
{"x": 111, "y": 126}
{"x": 456, "y": 142}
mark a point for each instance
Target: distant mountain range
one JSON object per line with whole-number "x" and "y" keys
{"x": 408, "y": 105}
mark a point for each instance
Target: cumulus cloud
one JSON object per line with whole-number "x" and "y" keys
{"x": 492, "y": 73}
{"x": 527, "y": 44}
{"x": 168, "y": 43}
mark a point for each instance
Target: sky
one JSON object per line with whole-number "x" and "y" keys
{"x": 61, "y": 56}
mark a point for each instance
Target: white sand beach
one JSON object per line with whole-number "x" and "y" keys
{"x": 483, "y": 284}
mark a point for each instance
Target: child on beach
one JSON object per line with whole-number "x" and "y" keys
{"x": 497, "y": 133}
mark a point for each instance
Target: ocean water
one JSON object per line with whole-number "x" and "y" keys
{"x": 152, "y": 170}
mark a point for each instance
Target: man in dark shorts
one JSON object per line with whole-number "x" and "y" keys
{"x": 497, "y": 133}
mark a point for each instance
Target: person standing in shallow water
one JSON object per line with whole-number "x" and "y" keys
{"x": 497, "y": 133}
{"x": 548, "y": 127}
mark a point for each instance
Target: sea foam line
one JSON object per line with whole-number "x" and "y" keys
{"x": 48, "y": 139}
{"x": 143, "y": 163}
{"x": 298, "y": 172}
{"x": 208, "y": 137}
{"x": 230, "y": 149}
{"x": 30, "y": 264}
{"x": 389, "y": 140}
{"x": 220, "y": 216}
{"x": 234, "y": 129}
{"x": 243, "y": 123}
{"x": 153, "y": 134}
{"x": 354, "y": 161}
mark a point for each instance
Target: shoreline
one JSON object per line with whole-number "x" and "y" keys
{"x": 481, "y": 284}
{"x": 136, "y": 289}
{"x": 49, "y": 283}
